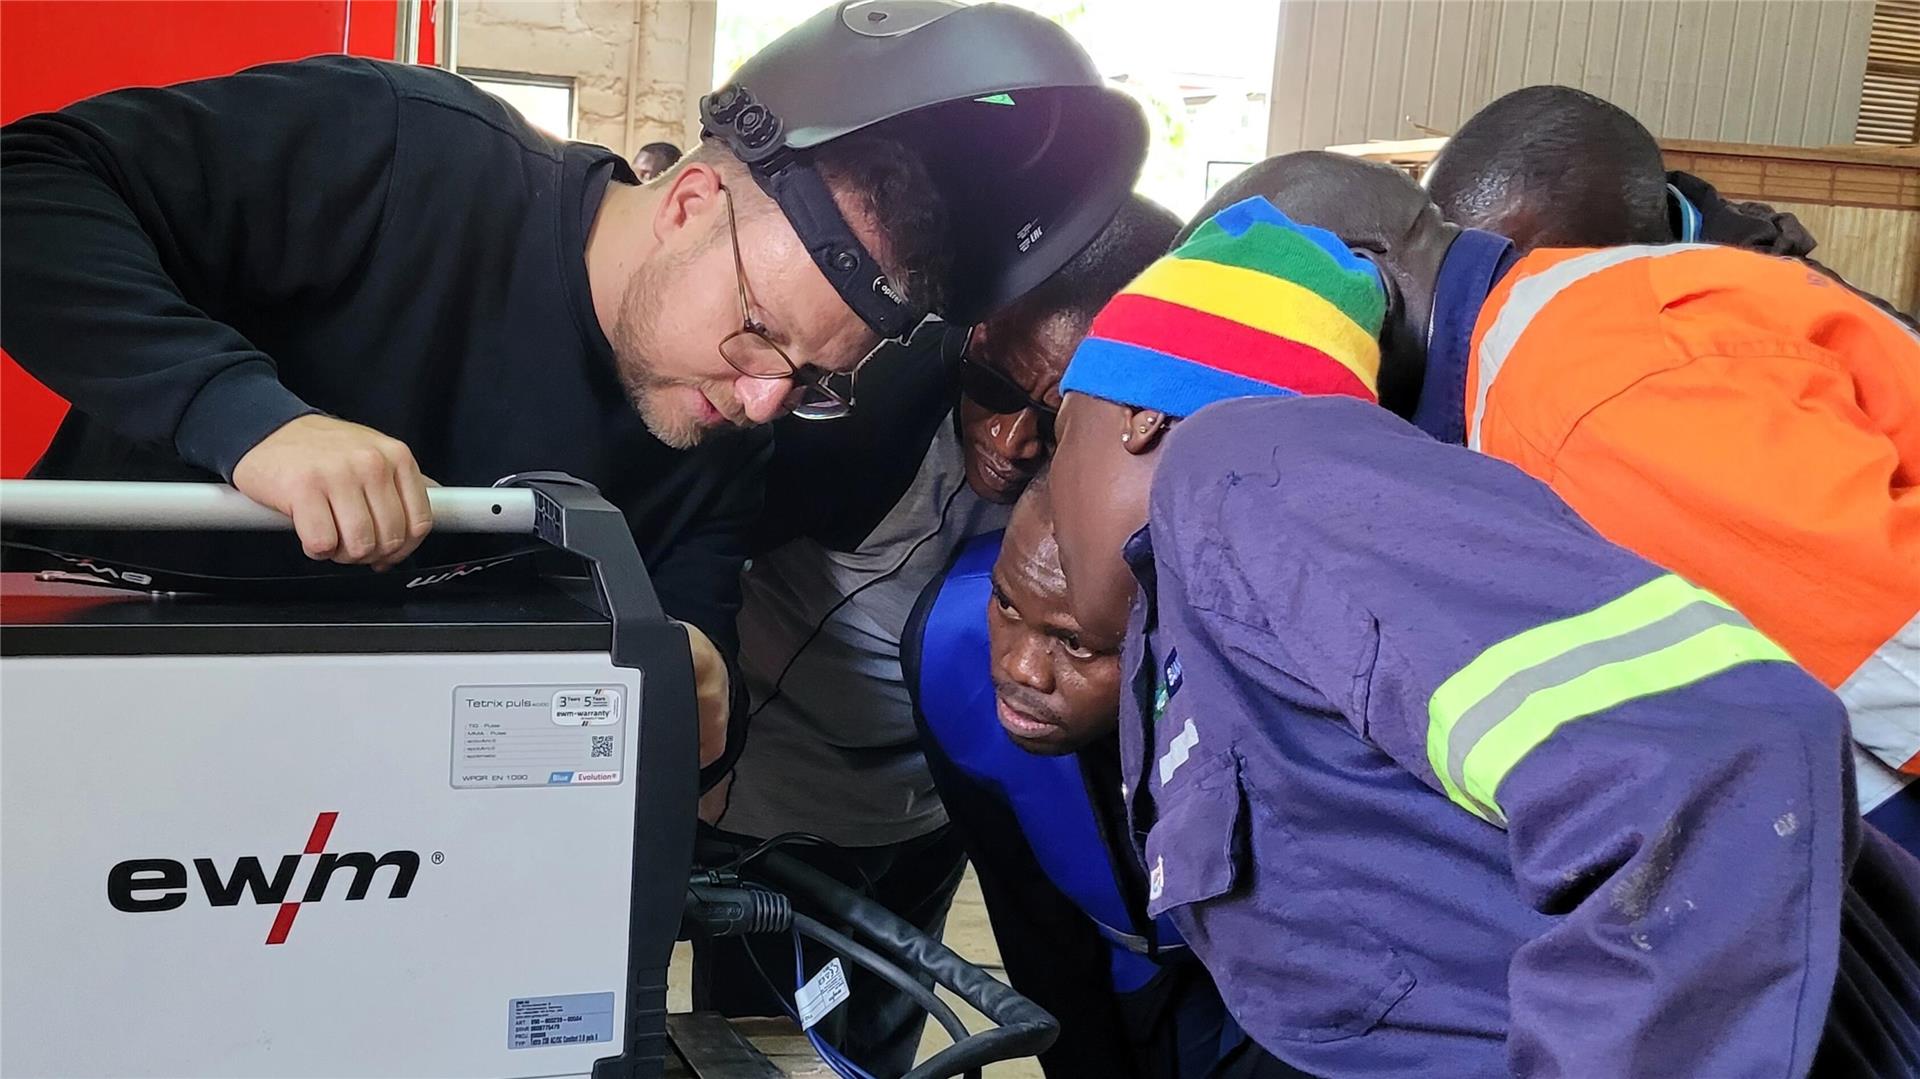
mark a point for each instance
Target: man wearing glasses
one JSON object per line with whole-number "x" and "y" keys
{"x": 334, "y": 282}
{"x": 337, "y": 281}
{"x": 860, "y": 516}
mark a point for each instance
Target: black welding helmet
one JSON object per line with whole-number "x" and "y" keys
{"x": 1030, "y": 148}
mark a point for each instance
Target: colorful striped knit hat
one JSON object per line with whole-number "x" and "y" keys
{"x": 1252, "y": 305}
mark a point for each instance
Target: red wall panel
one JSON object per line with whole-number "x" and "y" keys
{"x": 55, "y": 52}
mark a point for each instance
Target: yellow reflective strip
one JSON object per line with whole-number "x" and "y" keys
{"x": 1701, "y": 656}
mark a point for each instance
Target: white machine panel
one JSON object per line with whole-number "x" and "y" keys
{"x": 269, "y": 866}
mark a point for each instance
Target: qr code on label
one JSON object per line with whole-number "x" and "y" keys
{"x": 603, "y": 745}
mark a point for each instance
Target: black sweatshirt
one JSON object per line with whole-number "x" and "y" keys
{"x": 192, "y": 267}
{"x": 1759, "y": 227}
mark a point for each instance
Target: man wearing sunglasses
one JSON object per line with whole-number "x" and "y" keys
{"x": 1010, "y": 365}
{"x": 860, "y": 515}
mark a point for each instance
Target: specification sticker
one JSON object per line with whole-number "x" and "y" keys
{"x": 574, "y": 1019}
{"x": 538, "y": 736}
{"x": 823, "y": 993}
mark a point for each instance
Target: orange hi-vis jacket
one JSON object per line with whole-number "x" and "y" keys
{"x": 1745, "y": 422}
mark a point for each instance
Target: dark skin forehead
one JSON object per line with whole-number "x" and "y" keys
{"x": 1028, "y": 569}
{"x": 1031, "y": 348}
{"x": 1099, "y": 499}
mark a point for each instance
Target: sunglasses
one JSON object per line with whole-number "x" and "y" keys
{"x": 993, "y": 391}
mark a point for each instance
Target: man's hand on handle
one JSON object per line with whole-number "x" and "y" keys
{"x": 356, "y": 496}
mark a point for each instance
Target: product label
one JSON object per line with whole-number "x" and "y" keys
{"x": 574, "y": 1019}
{"x": 537, "y": 736}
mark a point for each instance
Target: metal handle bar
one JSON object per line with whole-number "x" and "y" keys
{"x": 117, "y": 505}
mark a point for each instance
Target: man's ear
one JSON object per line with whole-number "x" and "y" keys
{"x": 1143, "y": 430}
{"x": 1389, "y": 282}
{"x": 689, "y": 200}
{"x": 982, "y": 333}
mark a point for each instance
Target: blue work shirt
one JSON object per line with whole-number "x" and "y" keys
{"x": 1436, "y": 781}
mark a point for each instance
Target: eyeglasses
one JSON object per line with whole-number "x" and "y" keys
{"x": 993, "y": 391}
{"x": 824, "y": 395}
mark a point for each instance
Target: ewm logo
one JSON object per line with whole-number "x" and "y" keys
{"x": 97, "y": 569}
{"x": 465, "y": 569}
{"x": 148, "y": 885}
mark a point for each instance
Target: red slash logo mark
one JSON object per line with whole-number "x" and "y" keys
{"x": 316, "y": 843}
{"x": 152, "y": 885}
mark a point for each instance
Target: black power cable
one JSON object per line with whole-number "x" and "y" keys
{"x": 887, "y": 970}
{"x": 736, "y": 911}
{"x": 1023, "y": 1027}
{"x": 842, "y": 854}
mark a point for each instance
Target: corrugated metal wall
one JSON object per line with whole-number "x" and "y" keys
{"x": 1770, "y": 71}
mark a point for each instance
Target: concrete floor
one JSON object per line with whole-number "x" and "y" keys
{"x": 967, "y": 933}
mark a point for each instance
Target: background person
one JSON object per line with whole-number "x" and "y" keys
{"x": 860, "y": 515}
{"x": 1551, "y": 166}
{"x": 653, "y": 159}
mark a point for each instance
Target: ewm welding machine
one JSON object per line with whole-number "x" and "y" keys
{"x": 441, "y": 835}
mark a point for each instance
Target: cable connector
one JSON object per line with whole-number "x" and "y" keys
{"x": 714, "y": 910}
{"x": 724, "y": 876}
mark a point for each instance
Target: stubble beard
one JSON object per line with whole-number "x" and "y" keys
{"x": 644, "y": 384}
